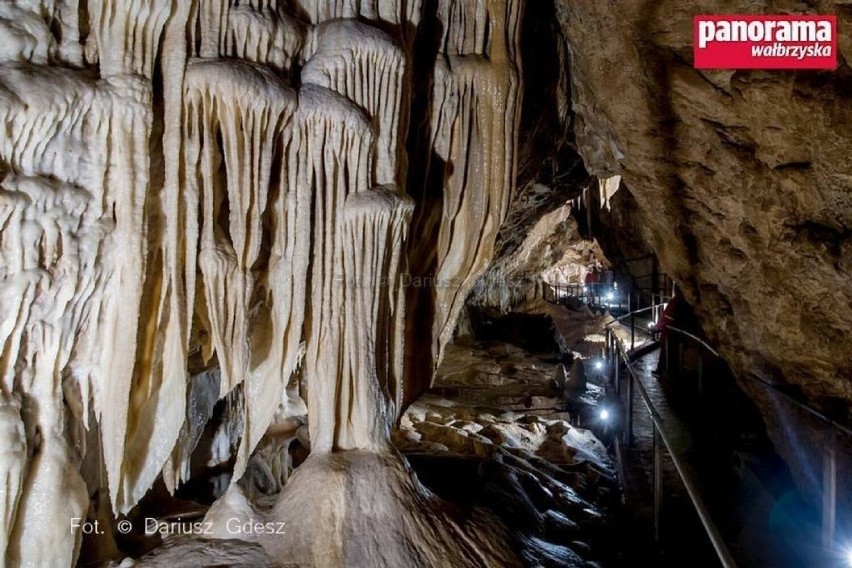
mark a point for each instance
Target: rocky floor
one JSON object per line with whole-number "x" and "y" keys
{"x": 494, "y": 434}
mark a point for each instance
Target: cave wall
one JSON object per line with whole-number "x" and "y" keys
{"x": 743, "y": 183}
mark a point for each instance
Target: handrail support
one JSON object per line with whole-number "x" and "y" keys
{"x": 658, "y": 482}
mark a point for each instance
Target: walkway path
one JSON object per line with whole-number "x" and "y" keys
{"x": 740, "y": 505}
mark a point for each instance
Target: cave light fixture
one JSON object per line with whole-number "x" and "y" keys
{"x": 604, "y": 414}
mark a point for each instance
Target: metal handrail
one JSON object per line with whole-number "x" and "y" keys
{"x": 809, "y": 409}
{"x": 632, "y": 316}
{"x": 694, "y": 338}
{"x": 710, "y": 528}
{"x": 633, "y": 313}
{"x": 829, "y": 467}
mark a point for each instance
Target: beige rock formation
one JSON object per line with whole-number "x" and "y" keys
{"x": 167, "y": 192}
{"x": 474, "y": 113}
{"x": 552, "y": 254}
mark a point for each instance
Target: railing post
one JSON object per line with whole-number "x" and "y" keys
{"x": 655, "y": 274}
{"x": 680, "y": 356}
{"x": 632, "y": 330}
{"x": 658, "y": 481}
{"x": 829, "y": 492}
{"x": 700, "y": 374}
{"x": 608, "y": 343}
{"x": 616, "y": 364}
{"x": 613, "y": 353}
{"x": 628, "y": 431}
{"x": 667, "y": 346}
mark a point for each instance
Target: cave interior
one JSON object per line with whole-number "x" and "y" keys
{"x": 465, "y": 283}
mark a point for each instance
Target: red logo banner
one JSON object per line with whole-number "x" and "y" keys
{"x": 765, "y": 42}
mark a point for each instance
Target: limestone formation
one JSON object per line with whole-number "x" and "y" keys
{"x": 218, "y": 188}
{"x": 475, "y": 116}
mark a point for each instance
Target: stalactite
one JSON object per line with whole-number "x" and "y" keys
{"x": 364, "y": 64}
{"x": 329, "y": 159}
{"x": 176, "y": 226}
{"x": 249, "y": 110}
{"x": 607, "y": 188}
{"x": 263, "y": 35}
{"x": 467, "y": 26}
{"x": 208, "y": 27}
{"x": 367, "y": 395}
{"x": 26, "y": 36}
{"x": 44, "y": 291}
{"x": 391, "y": 11}
{"x": 41, "y": 31}
{"x": 227, "y": 209}
{"x": 126, "y": 34}
{"x": 474, "y": 121}
{"x": 13, "y": 459}
{"x": 239, "y": 104}
{"x": 276, "y": 337}
{"x": 74, "y": 201}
